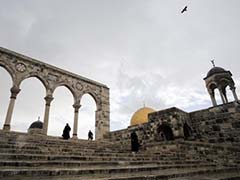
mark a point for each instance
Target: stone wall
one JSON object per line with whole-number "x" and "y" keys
{"x": 220, "y": 154}
{"x": 218, "y": 124}
{"x": 151, "y": 132}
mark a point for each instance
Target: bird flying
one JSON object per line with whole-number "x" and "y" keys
{"x": 184, "y": 9}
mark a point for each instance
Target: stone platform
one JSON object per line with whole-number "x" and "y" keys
{"x": 24, "y": 157}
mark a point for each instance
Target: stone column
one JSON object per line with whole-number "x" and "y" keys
{"x": 233, "y": 89}
{"x": 48, "y": 100}
{"x": 102, "y": 124}
{"x": 97, "y": 124}
{"x": 222, "y": 96}
{"x": 102, "y": 115}
{"x": 214, "y": 102}
{"x": 225, "y": 95}
{"x": 14, "y": 92}
{"x": 76, "y": 107}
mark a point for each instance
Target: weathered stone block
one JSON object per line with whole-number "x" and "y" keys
{"x": 216, "y": 128}
{"x": 236, "y": 124}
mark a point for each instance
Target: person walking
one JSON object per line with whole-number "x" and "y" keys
{"x": 90, "y": 135}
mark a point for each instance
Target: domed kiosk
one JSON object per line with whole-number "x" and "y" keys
{"x": 219, "y": 78}
{"x": 141, "y": 116}
{"x": 36, "y": 127}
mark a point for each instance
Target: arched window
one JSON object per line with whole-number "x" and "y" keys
{"x": 229, "y": 94}
{"x": 217, "y": 96}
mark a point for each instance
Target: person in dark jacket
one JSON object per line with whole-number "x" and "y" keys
{"x": 66, "y": 132}
{"x": 134, "y": 142}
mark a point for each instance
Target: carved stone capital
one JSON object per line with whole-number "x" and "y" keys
{"x": 76, "y": 107}
{"x": 220, "y": 89}
{"x": 233, "y": 88}
{"x": 211, "y": 92}
{"x": 14, "y": 92}
{"x": 48, "y": 100}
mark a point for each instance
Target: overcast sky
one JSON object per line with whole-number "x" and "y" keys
{"x": 145, "y": 51}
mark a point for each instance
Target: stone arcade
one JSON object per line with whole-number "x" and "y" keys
{"x": 21, "y": 67}
{"x": 176, "y": 145}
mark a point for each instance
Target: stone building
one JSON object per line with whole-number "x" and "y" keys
{"x": 217, "y": 124}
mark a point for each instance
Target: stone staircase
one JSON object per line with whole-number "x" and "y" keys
{"x": 26, "y": 157}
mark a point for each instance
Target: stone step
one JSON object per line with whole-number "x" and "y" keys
{"x": 11, "y": 137}
{"x": 168, "y": 175}
{"x": 93, "y": 155}
{"x": 58, "y": 171}
{"x": 37, "y": 149}
{"x": 214, "y": 176}
{"x": 78, "y": 145}
{"x": 56, "y": 146}
{"x": 4, "y": 163}
{"x": 124, "y": 174}
{"x": 14, "y": 156}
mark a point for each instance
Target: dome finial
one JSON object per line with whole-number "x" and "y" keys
{"x": 213, "y": 63}
{"x": 38, "y": 118}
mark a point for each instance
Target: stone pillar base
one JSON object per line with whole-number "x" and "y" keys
{"x": 6, "y": 127}
{"x": 74, "y": 137}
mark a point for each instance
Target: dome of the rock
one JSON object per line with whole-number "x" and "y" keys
{"x": 141, "y": 116}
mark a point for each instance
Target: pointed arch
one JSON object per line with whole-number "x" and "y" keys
{"x": 5, "y": 84}
{"x": 35, "y": 75}
{"x": 87, "y": 116}
{"x": 94, "y": 96}
{"x": 212, "y": 86}
{"x": 68, "y": 87}
{"x": 29, "y": 104}
{"x": 9, "y": 70}
{"x": 42, "y": 80}
{"x": 62, "y": 110}
{"x": 165, "y": 132}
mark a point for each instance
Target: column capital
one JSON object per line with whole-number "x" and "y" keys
{"x": 48, "y": 99}
{"x": 14, "y": 92}
{"x": 220, "y": 88}
{"x": 232, "y": 88}
{"x": 76, "y": 106}
{"x": 211, "y": 92}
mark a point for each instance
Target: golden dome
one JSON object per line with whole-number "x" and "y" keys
{"x": 141, "y": 116}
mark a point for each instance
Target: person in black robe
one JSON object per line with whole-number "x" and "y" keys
{"x": 90, "y": 135}
{"x": 66, "y": 132}
{"x": 187, "y": 131}
{"x": 134, "y": 142}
